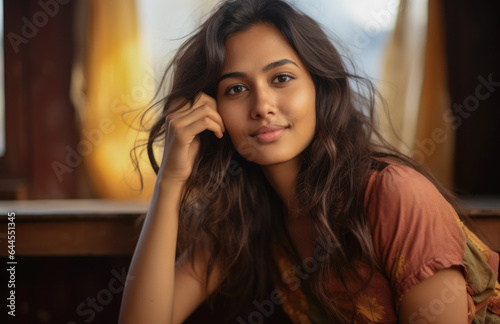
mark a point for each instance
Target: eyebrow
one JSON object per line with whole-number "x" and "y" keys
{"x": 265, "y": 69}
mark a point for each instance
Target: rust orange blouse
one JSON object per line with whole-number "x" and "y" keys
{"x": 416, "y": 233}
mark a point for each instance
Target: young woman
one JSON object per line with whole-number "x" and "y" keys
{"x": 273, "y": 173}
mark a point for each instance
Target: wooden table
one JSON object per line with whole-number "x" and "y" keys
{"x": 73, "y": 227}
{"x": 484, "y": 213}
{"x": 107, "y": 227}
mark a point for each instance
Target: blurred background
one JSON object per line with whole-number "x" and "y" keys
{"x": 75, "y": 76}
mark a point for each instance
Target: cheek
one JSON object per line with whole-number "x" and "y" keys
{"x": 304, "y": 103}
{"x": 232, "y": 123}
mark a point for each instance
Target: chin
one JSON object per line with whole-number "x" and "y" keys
{"x": 271, "y": 154}
{"x": 271, "y": 159}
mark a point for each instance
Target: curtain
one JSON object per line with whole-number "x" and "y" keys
{"x": 435, "y": 136}
{"x": 415, "y": 88}
{"x": 112, "y": 84}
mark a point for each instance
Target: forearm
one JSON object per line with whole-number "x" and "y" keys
{"x": 148, "y": 296}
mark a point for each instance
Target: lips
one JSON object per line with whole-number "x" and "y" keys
{"x": 269, "y": 133}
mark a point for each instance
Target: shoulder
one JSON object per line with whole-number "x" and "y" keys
{"x": 402, "y": 196}
{"x": 399, "y": 182}
{"x": 409, "y": 216}
{"x": 415, "y": 231}
{"x": 400, "y": 190}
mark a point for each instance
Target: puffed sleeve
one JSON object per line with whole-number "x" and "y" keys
{"x": 415, "y": 230}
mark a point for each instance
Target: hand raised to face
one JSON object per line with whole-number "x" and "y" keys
{"x": 183, "y": 127}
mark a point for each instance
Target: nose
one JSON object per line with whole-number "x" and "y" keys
{"x": 264, "y": 103}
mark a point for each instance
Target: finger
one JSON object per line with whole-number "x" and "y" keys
{"x": 178, "y": 105}
{"x": 211, "y": 112}
{"x": 196, "y": 114}
{"x": 201, "y": 125}
{"x": 201, "y": 100}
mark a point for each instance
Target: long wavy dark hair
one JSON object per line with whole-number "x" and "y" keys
{"x": 228, "y": 205}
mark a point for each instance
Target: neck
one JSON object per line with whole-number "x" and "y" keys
{"x": 282, "y": 178}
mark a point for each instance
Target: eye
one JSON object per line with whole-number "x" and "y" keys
{"x": 283, "y": 78}
{"x": 235, "y": 89}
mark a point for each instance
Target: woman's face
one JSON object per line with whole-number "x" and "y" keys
{"x": 266, "y": 97}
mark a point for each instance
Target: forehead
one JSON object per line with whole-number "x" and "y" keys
{"x": 257, "y": 46}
